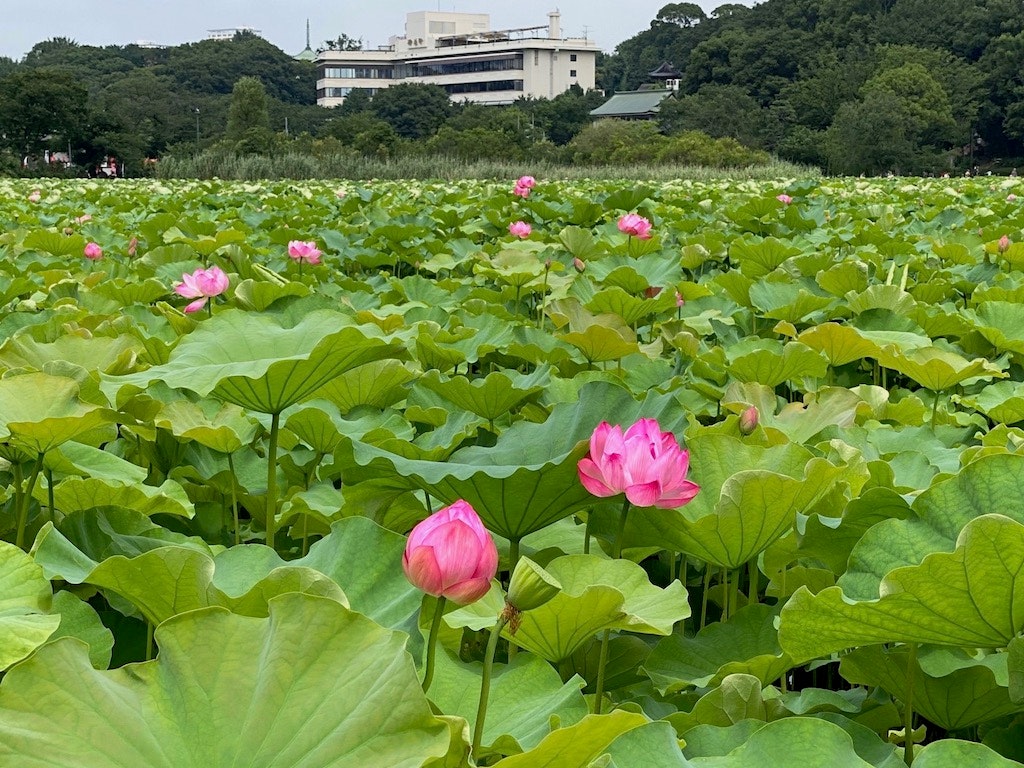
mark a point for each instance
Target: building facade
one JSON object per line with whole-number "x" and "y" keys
{"x": 460, "y": 53}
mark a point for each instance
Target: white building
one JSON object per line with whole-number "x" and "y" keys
{"x": 460, "y": 52}
{"x": 229, "y": 34}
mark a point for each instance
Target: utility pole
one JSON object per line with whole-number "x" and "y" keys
{"x": 197, "y": 127}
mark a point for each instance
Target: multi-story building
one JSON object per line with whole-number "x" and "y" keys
{"x": 229, "y": 33}
{"x": 462, "y": 54}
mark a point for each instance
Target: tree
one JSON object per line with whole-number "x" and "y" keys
{"x": 718, "y": 111}
{"x": 683, "y": 14}
{"x": 248, "y": 117}
{"x": 870, "y": 136}
{"x": 929, "y": 116}
{"x": 414, "y": 110}
{"x": 343, "y": 43}
{"x": 40, "y": 107}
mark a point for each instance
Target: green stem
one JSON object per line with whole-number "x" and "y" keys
{"x": 734, "y": 592}
{"x": 234, "y": 501}
{"x": 543, "y": 300}
{"x": 49, "y": 494}
{"x": 725, "y": 595}
{"x": 752, "y": 590}
{"x": 601, "y": 664}
{"x": 26, "y": 500}
{"x": 513, "y": 560}
{"x": 908, "y": 706}
{"x": 435, "y": 628}
{"x": 704, "y": 597}
{"x": 586, "y": 532}
{"x": 149, "y": 641}
{"x": 275, "y": 420}
{"x": 935, "y": 408}
{"x": 617, "y": 543}
{"x": 485, "y": 685}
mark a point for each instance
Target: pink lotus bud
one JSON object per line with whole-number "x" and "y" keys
{"x": 680, "y": 301}
{"x": 528, "y": 182}
{"x": 1004, "y": 244}
{"x": 1011, "y": 197}
{"x": 523, "y": 192}
{"x": 748, "y": 420}
{"x": 303, "y": 251}
{"x": 34, "y": 196}
{"x": 133, "y": 246}
{"x": 635, "y": 226}
{"x": 339, "y": 193}
{"x": 93, "y": 252}
{"x": 578, "y": 265}
{"x": 547, "y": 264}
{"x": 83, "y": 218}
{"x": 652, "y": 290}
{"x": 520, "y": 229}
{"x": 451, "y": 555}
{"x": 784, "y": 199}
{"x": 201, "y": 285}
{"x": 644, "y": 463}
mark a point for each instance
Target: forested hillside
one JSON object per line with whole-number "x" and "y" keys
{"x": 852, "y": 85}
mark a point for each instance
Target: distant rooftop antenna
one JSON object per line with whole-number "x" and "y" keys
{"x": 307, "y": 33}
{"x": 586, "y": 32}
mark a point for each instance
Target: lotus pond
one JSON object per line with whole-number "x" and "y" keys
{"x": 204, "y": 513}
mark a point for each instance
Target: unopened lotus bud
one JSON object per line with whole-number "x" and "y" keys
{"x": 530, "y": 586}
{"x": 69, "y": 231}
{"x": 1004, "y": 244}
{"x": 748, "y": 420}
{"x": 578, "y": 265}
{"x": 547, "y": 265}
{"x": 680, "y": 301}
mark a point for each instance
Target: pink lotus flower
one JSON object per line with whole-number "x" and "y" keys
{"x": 646, "y": 464}
{"x": 201, "y": 285}
{"x": 451, "y": 555}
{"x": 680, "y": 301}
{"x": 527, "y": 182}
{"x": 784, "y": 199}
{"x": 520, "y": 229}
{"x": 635, "y": 226}
{"x": 93, "y": 252}
{"x": 83, "y": 218}
{"x": 34, "y": 196}
{"x": 304, "y": 252}
{"x": 1004, "y": 244}
{"x": 523, "y": 192}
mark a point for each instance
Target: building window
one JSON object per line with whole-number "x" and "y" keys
{"x": 357, "y": 73}
{"x": 572, "y": 73}
{"x": 341, "y": 93}
{"x": 485, "y": 87}
{"x": 572, "y": 57}
{"x": 428, "y": 69}
{"x": 536, "y": 58}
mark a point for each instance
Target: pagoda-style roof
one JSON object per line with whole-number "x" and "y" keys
{"x": 665, "y": 71}
{"x": 633, "y": 104}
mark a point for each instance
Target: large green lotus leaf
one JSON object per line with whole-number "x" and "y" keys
{"x": 578, "y": 745}
{"x": 890, "y": 297}
{"x": 936, "y": 369}
{"x": 992, "y": 484}
{"x": 615, "y": 301}
{"x": 377, "y": 384}
{"x": 92, "y": 353}
{"x": 528, "y": 480}
{"x": 364, "y": 559}
{"x": 261, "y": 361}
{"x": 972, "y": 692}
{"x": 601, "y": 344}
{"x": 1002, "y": 324}
{"x": 841, "y": 344}
{"x": 125, "y": 292}
{"x": 1002, "y": 402}
{"x": 953, "y": 753}
{"x": 1015, "y": 669}
{"x": 756, "y": 507}
{"x": 38, "y": 412}
{"x": 82, "y": 460}
{"x": 653, "y": 745}
{"x": 79, "y": 619}
{"x": 488, "y": 398}
{"x": 747, "y": 643}
{"x": 54, "y": 243}
{"x": 757, "y": 259}
{"x": 738, "y": 697}
{"x": 76, "y": 494}
{"x": 786, "y": 301}
{"x": 25, "y": 598}
{"x": 314, "y": 685}
{"x": 169, "y": 580}
{"x": 971, "y": 597}
{"x": 220, "y": 426}
{"x": 597, "y": 594}
{"x": 793, "y": 742}
{"x": 511, "y": 267}
{"x": 773, "y": 367}
{"x": 525, "y": 695}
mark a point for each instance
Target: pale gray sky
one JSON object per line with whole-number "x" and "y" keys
{"x": 172, "y": 22}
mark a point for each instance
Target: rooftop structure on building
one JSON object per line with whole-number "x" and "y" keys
{"x": 230, "y": 32}
{"x": 633, "y": 105}
{"x": 307, "y": 53}
{"x": 462, "y": 54}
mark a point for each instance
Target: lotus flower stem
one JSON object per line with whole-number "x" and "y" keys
{"x": 602, "y": 662}
{"x": 149, "y": 641}
{"x": 908, "y": 706}
{"x": 586, "y": 532}
{"x": 935, "y": 408}
{"x": 26, "y": 499}
{"x": 617, "y": 543}
{"x": 234, "y": 501}
{"x": 485, "y": 684}
{"x": 752, "y": 591}
{"x": 49, "y": 491}
{"x": 725, "y": 594}
{"x": 275, "y": 422}
{"x": 704, "y": 597}
{"x": 435, "y": 628}
{"x": 513, "y": 560}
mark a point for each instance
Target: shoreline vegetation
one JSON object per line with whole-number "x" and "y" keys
{"x": 247, "y": 167}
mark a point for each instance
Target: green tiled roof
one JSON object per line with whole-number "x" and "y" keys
{"x": 632, "y": 104}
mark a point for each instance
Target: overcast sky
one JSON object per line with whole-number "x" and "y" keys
{"x": 23, "y": 23}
